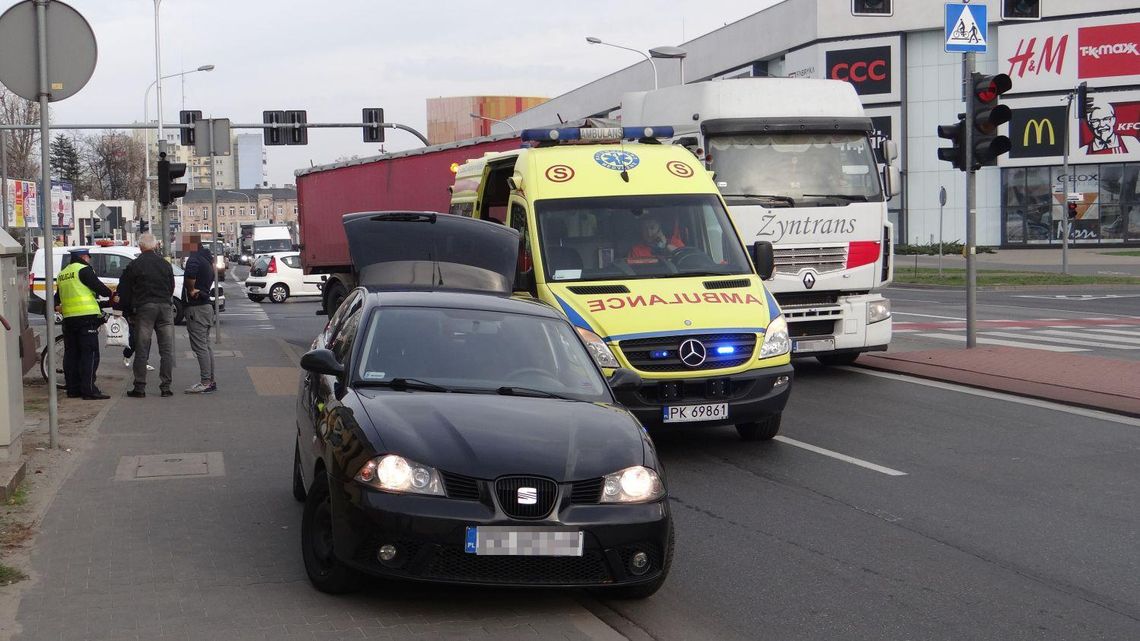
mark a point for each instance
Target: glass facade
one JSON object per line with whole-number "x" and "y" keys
{"x": 1108, "y": 212}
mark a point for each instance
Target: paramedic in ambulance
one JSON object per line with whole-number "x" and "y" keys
{"x": 654, "y": 242}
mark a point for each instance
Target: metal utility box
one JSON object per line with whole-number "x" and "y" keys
{"x": 13, "y": 311}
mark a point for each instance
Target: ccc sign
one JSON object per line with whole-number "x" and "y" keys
{"x": 869, "y": 68}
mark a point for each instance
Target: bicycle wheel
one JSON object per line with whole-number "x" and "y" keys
{"x": 60, "y": 383}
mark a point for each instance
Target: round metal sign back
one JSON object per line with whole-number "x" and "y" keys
{"x": 71, "y": 51}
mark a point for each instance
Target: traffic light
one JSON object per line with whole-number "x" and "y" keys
{"x": 1021, "y": 9}
{"x": 1072, "y": 210}
{"x": 273, "y": 135}
{"x": 186, "y": 136}
{"x": 871, "y": 8}
{"x": 988, "y": 115}
{"x": 1084, "y": 102}
{"x": 372, "y": 115}
{"x": 168, "y": 171}
{"x": 144, "y": 226}
{"x": 955, "y": 154}
{"x": 296, "y": 135}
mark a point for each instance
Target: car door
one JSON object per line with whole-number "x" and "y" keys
{"x": 299, "y": 283}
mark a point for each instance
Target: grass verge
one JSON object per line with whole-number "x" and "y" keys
{"x": 10, "y": 575}
{"x": 1124, "y": 252}
{"x": 996, "y": 278}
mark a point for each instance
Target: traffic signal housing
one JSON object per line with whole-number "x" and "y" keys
{"x": 186, "y": 135}
{"x": 168, "y": 172}
{"x": 1072, "y": 210}
{"x": 1084, "y": 102}
{"x": 299, "y": 133}
{"x": 956, "y": 153}
{"x": 372, "y": 132}
{"x": 987, "y": 116}
{"x": 1020, "y": 9}
{"x": 871, "y": 8}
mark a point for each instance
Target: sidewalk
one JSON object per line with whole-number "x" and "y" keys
{"x": 1084, "y": 381}
{"x": 178, "y": 523}
{"x": 1082, "y": 260}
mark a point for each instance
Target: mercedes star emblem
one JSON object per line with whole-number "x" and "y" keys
{"x": 809, "y": 280}
{"x": 693, "y": 352}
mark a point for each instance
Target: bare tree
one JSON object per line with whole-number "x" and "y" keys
{"x": 113, "y": 167}
{"x": 22, "y": 145}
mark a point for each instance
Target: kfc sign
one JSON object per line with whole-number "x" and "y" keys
{"x": 1110, "y": 127}
{"x": 869, "y": 69}
{"x": 1108, "y": 51}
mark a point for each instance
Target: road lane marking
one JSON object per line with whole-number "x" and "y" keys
{"x": 1000, "y": 396}
{"x": 842, "y": 457}
{"x": 961, "y": 338}
{"x": 1119, "y": 331}
{"x": 1052, "y": 339}
{"x": 927, "y": 316}
{"x": 1097, "y": 335}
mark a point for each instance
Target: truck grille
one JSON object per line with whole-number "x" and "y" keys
{"x": 790, "y": 260}
{"x": 811, "y": 328}
{"x": 507, "y": 489}
{"x": 662, "y": 354}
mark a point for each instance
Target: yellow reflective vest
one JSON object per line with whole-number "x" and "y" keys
{"x": 75, "y": 298}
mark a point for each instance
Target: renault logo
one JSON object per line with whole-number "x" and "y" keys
{"x": 528, "y": 496}
{"x": 809, "y": 280}
{"x": 1039, "y": 127}
{"x": 693, "y": 353}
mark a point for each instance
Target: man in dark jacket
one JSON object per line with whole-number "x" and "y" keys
{"x": 148, "y": 286}
{"x": 196, "y": 286}
{"x": 75, "y": 299}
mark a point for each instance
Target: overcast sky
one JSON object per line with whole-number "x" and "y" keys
{"x": 334, "y": 57}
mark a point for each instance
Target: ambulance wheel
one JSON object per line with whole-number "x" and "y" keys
{"x": 762, "y": 430}
{"x": 832, "y": 360}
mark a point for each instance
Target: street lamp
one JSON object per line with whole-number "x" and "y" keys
{"x": 146, "y": 132}
{"x": 671, "y": 52}
{"x": 504, "y": 122}
{"x": 598, "y": 41}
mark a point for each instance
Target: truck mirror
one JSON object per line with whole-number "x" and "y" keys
{"x": 890, "y": 151}
{"x": 892, "y": 181}
{"x": 764, "y": 257}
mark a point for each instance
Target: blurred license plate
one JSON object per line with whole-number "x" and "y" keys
{"x": 817, "y": 345}
{"x": 693, "y": 413}
{"x": 491, "y": 540}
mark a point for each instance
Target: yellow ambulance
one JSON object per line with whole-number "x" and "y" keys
{"x": 632, "y": 241}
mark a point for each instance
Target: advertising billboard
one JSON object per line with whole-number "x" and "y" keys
{"x": 23, "y": 204}
{"x": 1058, "y": 54}
{"x": 62, "y": 205}
{"x": 1110, "y": 131}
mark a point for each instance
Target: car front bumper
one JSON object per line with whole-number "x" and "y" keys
{"x": 429, "y": 534}
{"x": 751, "y": 396}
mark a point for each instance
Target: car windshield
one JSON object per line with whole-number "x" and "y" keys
{"x": 479, "y": 351}
{"x": 621, "y": 237}
{"x": 272, "y": 245}
{"x": 796, "y": 169}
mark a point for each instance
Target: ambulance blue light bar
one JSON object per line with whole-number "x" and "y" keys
{"x": 594, "y": 134}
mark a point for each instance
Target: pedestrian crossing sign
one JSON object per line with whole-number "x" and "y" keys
{"x": 965, "y": 28}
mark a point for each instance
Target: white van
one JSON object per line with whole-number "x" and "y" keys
{"x": 108, "y": 261}
{"x": 272, "y": 238}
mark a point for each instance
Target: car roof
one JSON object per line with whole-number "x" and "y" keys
{"x": 460, "y": 300}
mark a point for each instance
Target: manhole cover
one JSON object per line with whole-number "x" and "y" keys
{"x": 164, "y": 466}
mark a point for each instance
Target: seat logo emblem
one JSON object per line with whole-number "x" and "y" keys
{"x": 528, "y": 496}
{"x": 809, "y": 280}
{"x": 693, "y": 353}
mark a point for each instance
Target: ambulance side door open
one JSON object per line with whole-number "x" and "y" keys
{"x": 525, "y": 279}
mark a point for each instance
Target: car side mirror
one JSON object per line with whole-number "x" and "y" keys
{"x": 321, "y": 361}
{"x": 764, "y": 257}
{"x": 624, "y": 379}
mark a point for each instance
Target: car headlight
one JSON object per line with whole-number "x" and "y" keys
{"x": 598, "y": 348}
{"x": 393, "y": 473}
{"x": 637, "y": 484}
{"x": 776, "y": 341}
{"x": 878, "y": 311}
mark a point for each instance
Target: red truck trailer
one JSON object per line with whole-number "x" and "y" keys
{"x": 409, "y": 180}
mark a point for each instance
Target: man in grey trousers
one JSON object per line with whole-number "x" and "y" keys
{"x": 146, "y": 290}
{"x": 196, "y": 286}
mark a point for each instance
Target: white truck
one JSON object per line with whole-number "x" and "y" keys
{"x": 795, "y": 161}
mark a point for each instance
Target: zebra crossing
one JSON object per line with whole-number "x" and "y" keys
{"x": 247, "y": 314}
{"x": 1048, "y": 334}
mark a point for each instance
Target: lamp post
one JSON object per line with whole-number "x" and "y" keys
{"x": 671, "y": 52}
{"x": 248, "y": 200}
{"x": 146, "y": 132}
{"x": 503, "y": 122}
{"x": 598, "y": 41}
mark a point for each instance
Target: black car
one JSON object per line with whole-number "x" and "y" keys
{"x": 470, "y": 438}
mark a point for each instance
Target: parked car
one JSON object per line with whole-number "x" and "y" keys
{"x": 279, "y": 275}
{"x": 108, "y": 261}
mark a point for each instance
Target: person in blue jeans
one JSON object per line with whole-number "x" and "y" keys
{"x": 196, "y": 286}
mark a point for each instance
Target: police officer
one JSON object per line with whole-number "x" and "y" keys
{"x": 76, "y": 289}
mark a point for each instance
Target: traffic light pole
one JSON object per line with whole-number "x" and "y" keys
{"x": 971, "y": 203}
{"x": 1065, "y": 186}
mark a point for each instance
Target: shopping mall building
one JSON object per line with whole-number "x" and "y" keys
{"x": 910, "y": 85}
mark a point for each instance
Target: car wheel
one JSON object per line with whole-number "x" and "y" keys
{"x": 837, "y": 359}
{"x": 278, "y": 293}
{"x": 298, "y": 479}
{"x": 176, "y": 309}
{"x": 644, "y": 590}
{"x": 326, "y": 572}
{"x": 257, "y": 298}
{"x": 334, "y": 297}
{"x": 762, "y": 430}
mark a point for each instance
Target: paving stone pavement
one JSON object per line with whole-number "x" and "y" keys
{"x": 218, "y": 557}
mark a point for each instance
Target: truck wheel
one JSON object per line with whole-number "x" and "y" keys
{"x": 837, "y": 359}
{"x": 278, "y": 293}
{"x": 762, "y": 430}
{"x": 334, "y": 297}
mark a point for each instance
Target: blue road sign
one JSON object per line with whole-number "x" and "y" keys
{"x": 965, "y": 28}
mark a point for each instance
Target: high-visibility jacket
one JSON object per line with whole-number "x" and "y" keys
{"x": 75, "y": 298}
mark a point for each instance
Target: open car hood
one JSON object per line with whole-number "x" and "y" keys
{"x": 428, "y": 250}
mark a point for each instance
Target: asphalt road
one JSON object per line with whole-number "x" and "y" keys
{"x": 932, "y": 513}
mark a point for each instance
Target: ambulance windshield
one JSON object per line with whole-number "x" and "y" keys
{"x": 622, "y": 237}
{"x": 796, "y": 169}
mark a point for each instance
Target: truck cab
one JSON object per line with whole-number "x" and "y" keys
{"x": 632, "y": 241}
